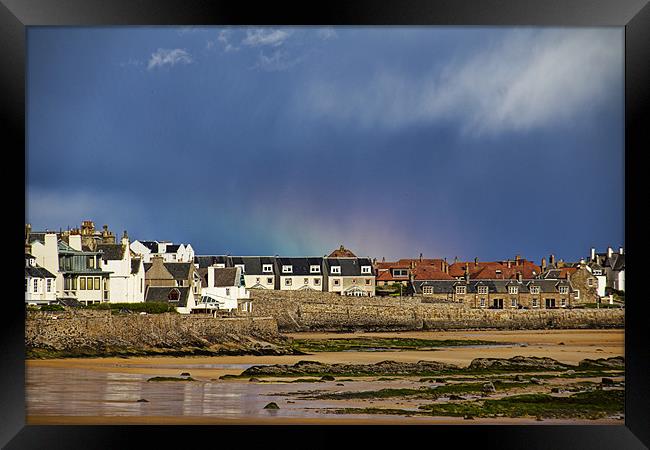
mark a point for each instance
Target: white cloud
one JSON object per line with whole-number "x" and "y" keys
{"x": 164, "y": 57}
{"x": 326, "y": 33}
{"x": 277, "y": 61}
{"x": 529, "y": 79}
{"x": 260, "y": 37}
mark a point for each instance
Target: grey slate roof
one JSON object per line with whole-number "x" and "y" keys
{"x": 209, "y": 260}
{"x": 172, "y": 248}
{"x": 151, "y": 245}
{"x": 38, "y": 272}
{"x": 161, "y": 294}
{"x": 178, "y": 270}
{"x": 350, "y": 267}
{"x": 300, "y": 266}
{"x": 135, "y": 265}
{"x": 111, "y": 252}
{"x": 253, "y": 264}
{"x": 226, "y": 277}
{"x": 494, "y": 286}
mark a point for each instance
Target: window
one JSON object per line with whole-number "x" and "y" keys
{"x": 563, "y": 302}
{"x": 461, "y": 290}
{"x": 82, "y": 283}
{"x": 534, "y": 303}
{"x": 314, "y": 269}
{"x": 337, "y": 282}
{"x": 35, "y": 289}
{"x": 483, "y": 290}
{"x": 48, "y": 283}
{"x": 174, "y": 295}
{"x": 564, "y": 290}
{"x": 179, "y": 283}
{"x": 227, "y": 291}
{"x": 287, "y": 269}
{"x": 257, "y": 279}
{"x": 590, "y": 282}
{"x": 91, "y": 262}
{"x": 354, "y": 281}
{"x": 267, "y": 268}
{"x": 513, "y": 290}
{"x": 513, "y": 302}
{"x": 534, "y": 290}
{"x": 269, "y": 281}
{"x": 97, "y": 284}
{"x": 368, "y": 282}
{"x": 305, "y": 281}
{"x": 427, "y": 290}
{"x": 316, "y": 281}
{"x": 576, "y": 293}
{"x": 242, "y": 267}
{"x": 400, "y": 272}
{"x": 498, "y": 271}
{"x": 598, "y": 272}
{"x": 287, "y": 281}
{"x": 336, "y": 269}
{"x": 365, "y": 269}
{"x": 74, "y": 284}
{"x": 482, "y": 303}
{"x": 173, "y": 256}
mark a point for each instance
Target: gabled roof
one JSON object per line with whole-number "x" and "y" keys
{"x": 161, "y": 294}
{"x": 151, "y": 245}
{"x": 172, "y": 248}
{"x": 111, "y": 252}
{"x": 430, "y": 273}
{"x": 226, "y": 277}
{"x": 178, "y": 270}
{"x": 210, "y": 260}
{"x": 342, "y": 252}
{"x": 253, "y": 264}
{"x": 135, "y": 265}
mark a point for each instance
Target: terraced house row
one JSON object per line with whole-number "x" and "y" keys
{"x": 87, "y": 266}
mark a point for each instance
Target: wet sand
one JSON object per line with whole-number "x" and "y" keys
{"x": 106, "y": 390}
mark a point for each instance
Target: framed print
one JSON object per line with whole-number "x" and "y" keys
{"x": 281, "y": 222}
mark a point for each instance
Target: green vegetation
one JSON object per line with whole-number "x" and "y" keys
{"x": 584, "y": 405}
{"x": 52, "y": 308}
{"x": 148, "y": 307}
{"x": 430, "y": 393}
{"x": 591, "y": 405}
{"x": 171, "y": 379}
{"x": 381, "y": 344}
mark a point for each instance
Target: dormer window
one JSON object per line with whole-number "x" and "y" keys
{"x": 427, "y": 289}
{"x": 336, "y": 269}
{"x": 564, "y": 289}
{"x": 314, "y": 269}
{"x": 534, "y": 289}
{"x": 482, "y": 289}
{"x": 598, "y": 272}
{"x": 497, "y": 271}
{"x": 513, "y": 290}
{"x": 242, "y": 267}
{"x": 461, "y": 290}
{"x": 174, "y": 295}
{"x": 267, "y": 268}
{"x": 287, "y": 269}
{"x": 400, "y": 272}
{"x": 366, "y": 269}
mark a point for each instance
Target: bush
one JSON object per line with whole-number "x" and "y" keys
{"x": 148, "y": 307}
{"x": 52, "y": 308}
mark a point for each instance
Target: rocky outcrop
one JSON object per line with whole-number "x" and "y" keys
{"x": 517, "y": 363}
{"x": 100, "y": 333}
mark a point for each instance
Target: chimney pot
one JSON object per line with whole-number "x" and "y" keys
{"x": 609, "y": 252}
{"x": 620, "y": 250}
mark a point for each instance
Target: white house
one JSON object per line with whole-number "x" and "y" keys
{"x": 40, "y": 284}
{"x": 126, "y": 271}
{"x": 614, "y": 266}
{"x": 169, "y": 251}
{"x": 222, "y": 288}
{"x": 300, "y": 274}
{"x": 259, "y": 271}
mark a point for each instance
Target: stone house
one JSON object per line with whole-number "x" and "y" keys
{"x": 161, "y": 274}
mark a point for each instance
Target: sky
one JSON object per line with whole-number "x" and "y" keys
{"x": 393, "y": 141}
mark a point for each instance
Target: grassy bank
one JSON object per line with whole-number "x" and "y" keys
{"x": 383, "y": 344}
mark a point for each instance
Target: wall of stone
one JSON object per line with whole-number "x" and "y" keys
{"x": 308, "y": 311}
{"x": 70, "y": 330}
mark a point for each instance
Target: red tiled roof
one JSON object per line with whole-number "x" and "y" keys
{"x": 430, "y": 273}
{"x": 486, "y": 270}
{"x": 342, "y": 252}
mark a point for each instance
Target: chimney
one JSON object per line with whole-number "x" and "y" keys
{"x": 551, "y": 260}
{"x": 466, "y": 276}
{"x": 509, "y": 264}
{"x": 543, "y": 266}
{"x": 421, "y": 256}
{"x": 517, "y": 260}
{"x": 445, "y": 266}
{"x": 455, "y": 259}
{"x": 211, "y": 270}
{"x": 383, "y": 259}
{"x": 620, "y": 250}
{"x": 519, "y": 276}
{"x": 593, "y": 254}
{"x": 125, "y": 239}
{"x": 476, "y": 261}
{"x": 609, "y": 252}
{"x": 75, "y": 241}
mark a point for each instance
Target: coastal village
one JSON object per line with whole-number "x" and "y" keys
{"x": 85, "y": 266}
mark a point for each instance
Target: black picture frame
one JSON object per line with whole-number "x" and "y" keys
{"x": 634, "y": 15}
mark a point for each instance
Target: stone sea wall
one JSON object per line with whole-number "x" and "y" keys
{"x": 310, "y": 311}
{"x": 73, "y": 330}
